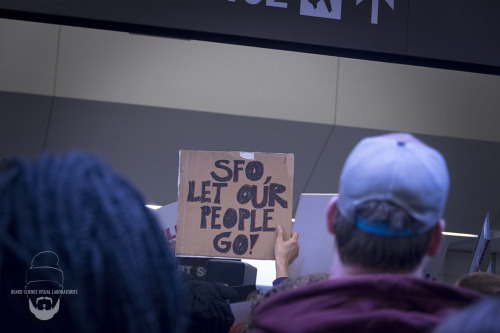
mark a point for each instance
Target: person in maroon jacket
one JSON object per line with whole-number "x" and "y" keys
{"x": 386, "y": 222}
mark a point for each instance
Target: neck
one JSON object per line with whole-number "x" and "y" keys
{"x": 340, "y": 270}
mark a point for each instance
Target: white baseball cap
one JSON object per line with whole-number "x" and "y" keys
{"x": 399, "y": 168}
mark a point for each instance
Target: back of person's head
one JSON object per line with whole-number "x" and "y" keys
{"x": 486, "y": 283}
{"x": 208, "y": 303}
{"x": 481, "y": 317}
{"x": 392, "y": 193}
{"x": 69, "y": 224}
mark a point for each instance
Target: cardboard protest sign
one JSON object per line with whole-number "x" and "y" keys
{"x": 230, "y": 203}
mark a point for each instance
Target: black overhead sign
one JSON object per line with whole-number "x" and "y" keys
{"x": 457, "y": 34}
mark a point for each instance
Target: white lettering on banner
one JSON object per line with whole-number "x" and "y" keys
{"x": 270, "y": 3}
{"x": 330, "y": 9}
{"x": 276, "y": 3}
{"x": 201, "y": 271}
{"x": 375, "y": 8}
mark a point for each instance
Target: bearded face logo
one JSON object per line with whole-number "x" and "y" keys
{"x": 44, "y": 280}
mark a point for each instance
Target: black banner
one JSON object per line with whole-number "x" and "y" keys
{"x": 457, "y": 34}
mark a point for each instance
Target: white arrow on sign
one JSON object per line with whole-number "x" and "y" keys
{"x": 375, "y": 8}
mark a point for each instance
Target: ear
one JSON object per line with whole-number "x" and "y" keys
{"x": 330, "y": 214}
{"x": 436, "y": 238}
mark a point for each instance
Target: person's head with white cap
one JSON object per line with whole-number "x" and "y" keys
{"x": 388, "y": 215}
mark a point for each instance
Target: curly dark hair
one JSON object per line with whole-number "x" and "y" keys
{"x": 110, "y": 246}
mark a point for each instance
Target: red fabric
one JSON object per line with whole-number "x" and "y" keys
{"x": 234, "y": 327}
{"x": 365, "y": 303}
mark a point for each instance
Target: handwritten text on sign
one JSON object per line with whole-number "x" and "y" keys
{"x": 236, "y": 202}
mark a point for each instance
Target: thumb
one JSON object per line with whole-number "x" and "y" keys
{"x": 279, "y": 233}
